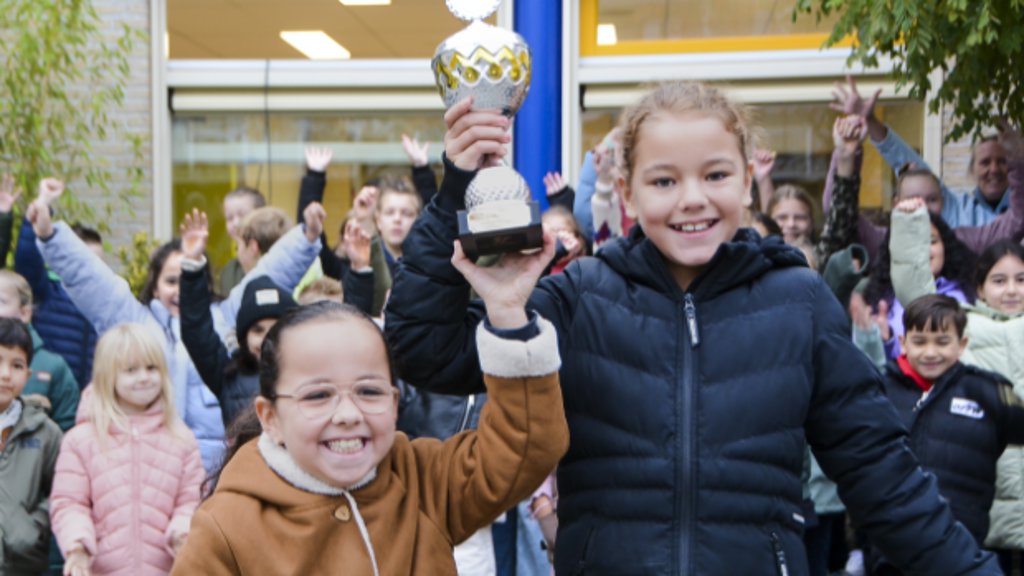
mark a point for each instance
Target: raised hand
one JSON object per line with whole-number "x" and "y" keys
{"x": 570, "y": 242}
{"x": 317, "y": 159}
{"x": 764, "y": 163}
{"x": 356, "y": 243}
{"x": 195, "y": 231}
{"x": 1011, "y": 140}
{"x": 848, "y": 133}
{"x": 909, "y": 205}
{"x": 418, "y": 153}
{"x": 314, "y": 216}
{"x": 364, "y": 206}
{"x": 849, "y": 101}
{"x": 881, "y": 317}
{"x": 554, "y": 183}
{"x": 50, "y": 190}
{"x": 475, "y": 138}
{"x": 506, "y": 286}
{"x": 7, "y": 194}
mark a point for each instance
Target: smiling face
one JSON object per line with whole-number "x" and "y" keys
{"x": 1003, "y": 289}
{"x": 14, "y": 373}
{"x": 990, "y": 170}
{"x": 343, "y": 447}
{"x": 137, "y": 385}
{"x": 936, "y": 253}
{"x": 687, "y": 188}
{"x": 396, "y": 212}
{"x": 794, "y": 218}
{"x": 168, "y": 283}
{"x": 236, "y": 208}
{"x": 932, "y": 352}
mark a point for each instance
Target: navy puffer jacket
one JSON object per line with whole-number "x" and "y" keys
{"x": 688, "y": 411}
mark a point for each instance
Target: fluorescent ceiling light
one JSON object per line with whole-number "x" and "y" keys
{"x": 315, "y": 44}
{"x": 606, "y": 35}
{"x": 365, "y": 2}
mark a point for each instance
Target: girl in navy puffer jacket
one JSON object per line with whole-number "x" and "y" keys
{"x": 698, "y": 361}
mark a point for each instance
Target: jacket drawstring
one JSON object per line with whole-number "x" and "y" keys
{"x": 362, "y": 530}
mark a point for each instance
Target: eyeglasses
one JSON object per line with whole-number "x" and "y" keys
{"x": 316, "y": 402}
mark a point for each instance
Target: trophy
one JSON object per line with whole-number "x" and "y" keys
{"x": 493, "y": 65}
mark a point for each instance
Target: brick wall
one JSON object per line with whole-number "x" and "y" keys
{"x": 135, "y": 117}
{"x": 956, "y": 157}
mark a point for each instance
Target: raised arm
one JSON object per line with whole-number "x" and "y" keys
{"x": 208, "y": 353}
{"x": 908, "y": 247}
{"x": 422, "y": 176}
{"x": 764, "y": 163}
{"x": 103, "y": 297}
{"x": 558, "y": 191}
{"x": 285, "y": 263}
{"x": 841, "y": 218}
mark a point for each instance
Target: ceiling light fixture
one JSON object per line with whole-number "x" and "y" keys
{"x": 315, "y": 44}
{"x": 365, "y": 2}
{"x": 606, "y": 35}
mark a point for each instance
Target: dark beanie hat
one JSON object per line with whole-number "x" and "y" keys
{"x": 262, "y": 299}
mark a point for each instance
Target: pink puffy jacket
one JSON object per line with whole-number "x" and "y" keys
{"x": 125, "y": 502}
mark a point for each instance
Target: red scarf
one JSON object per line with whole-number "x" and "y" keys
{"x": 908, "y": 370}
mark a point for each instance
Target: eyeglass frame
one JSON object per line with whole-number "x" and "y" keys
{"x": 391, "y": 391}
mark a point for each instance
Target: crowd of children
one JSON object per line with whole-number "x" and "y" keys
{"x": 390, "y": 406}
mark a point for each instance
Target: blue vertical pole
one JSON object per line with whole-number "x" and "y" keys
{"x": 538, "y": 125}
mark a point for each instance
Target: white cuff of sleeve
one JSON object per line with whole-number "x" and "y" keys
{"x": 190, "y": 265}
{"x": 507, "y": 358}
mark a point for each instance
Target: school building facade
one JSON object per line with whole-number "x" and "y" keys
{"x": 223, "y": 100}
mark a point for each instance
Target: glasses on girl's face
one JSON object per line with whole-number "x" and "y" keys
{"x": 316, "y": 402}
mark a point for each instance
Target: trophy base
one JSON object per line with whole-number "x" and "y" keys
{"x": 516, "y": 239}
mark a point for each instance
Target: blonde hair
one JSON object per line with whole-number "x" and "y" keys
{"x": 683, "y": 98}
{"x": 264, "y": 225}
{"x": 20, "y": 285}
{"x": 118, "y": 347}
{"x": 321, "y": 289}
{"x": 793, "y": 192}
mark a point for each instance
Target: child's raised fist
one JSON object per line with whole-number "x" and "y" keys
{"x": 314, "y": 216}
{"x": 50, "y": 190}
{"x": 38, "y": 215}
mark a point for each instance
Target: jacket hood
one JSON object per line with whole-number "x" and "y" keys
{"x": 32, "y": 417}
{"x": 737, "y": 262}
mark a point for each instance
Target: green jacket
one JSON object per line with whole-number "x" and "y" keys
{"x": 52, "y": 377}
{"x": 26, "y": 475}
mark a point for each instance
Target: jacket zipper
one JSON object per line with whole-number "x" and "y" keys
{"x": 470, "y": 403}
{"x": 780, "y": 554}
{"x": 687, "y": 436}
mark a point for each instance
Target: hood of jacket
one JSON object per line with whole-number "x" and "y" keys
{"x": 740, "y": 261}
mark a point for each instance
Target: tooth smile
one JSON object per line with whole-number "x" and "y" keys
{"x": 346, "y": 446}
{"x": 693, "y": 226}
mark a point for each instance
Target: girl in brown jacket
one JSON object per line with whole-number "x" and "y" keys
{"x": 330, "y": 487}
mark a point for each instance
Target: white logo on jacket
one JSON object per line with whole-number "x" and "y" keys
{"x": 966, "y": 408}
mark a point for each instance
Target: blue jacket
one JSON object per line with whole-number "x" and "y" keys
{"x": 106, "y": 300}
{"x": 58, "y": 321}
{"x": 689, "y": 411}
{"x": 957, "y": 209}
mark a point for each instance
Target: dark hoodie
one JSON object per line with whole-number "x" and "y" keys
{"x": 688, "y": 411}
{"x": 232, "y": 375}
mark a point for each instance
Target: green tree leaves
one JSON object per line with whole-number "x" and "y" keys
{"x": 978, "y": 45}
{"x": 62, "y": 78}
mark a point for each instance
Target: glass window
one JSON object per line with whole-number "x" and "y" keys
{"x": 619, "y": 27}
{"x": 679, "y": 19}
{"x": 801, "y": 134}
{"x": 216, "y": 152}
{"x": 229, "y": 29}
